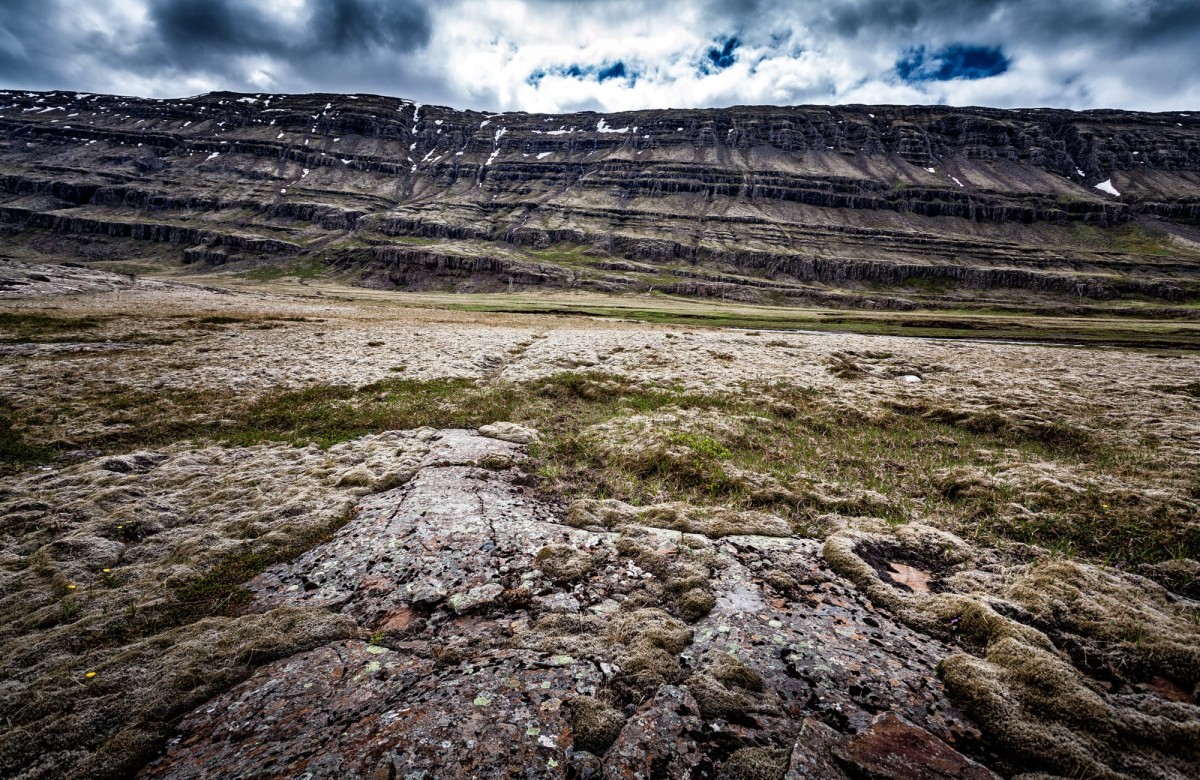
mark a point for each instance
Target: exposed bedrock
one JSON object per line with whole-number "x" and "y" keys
{"x": 574, "y": 652}
{"x": 495, "y": 624}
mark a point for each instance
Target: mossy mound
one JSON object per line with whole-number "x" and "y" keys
{"x": 756, "y": 763}
{"x": 595, "y": 725}
{"x": 1036, "y": 636}
{"x": 563, "y": 563}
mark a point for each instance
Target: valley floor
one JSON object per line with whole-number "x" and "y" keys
{"x": 281, "y": 528}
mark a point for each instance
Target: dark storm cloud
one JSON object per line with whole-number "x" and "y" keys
{"x": 526, "y": 54}
{"x": 203, "y": 35}
{"x": 184, "y": 38}
{"x": 19, "y": 32}
{"x": 1148, "y": 49}
{"x": 850, "y": 19}
{"x": 1128, "y": 21}
{"x": 204, "y": 29}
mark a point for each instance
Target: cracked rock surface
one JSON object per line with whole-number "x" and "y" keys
{"x": 504, "y": 643}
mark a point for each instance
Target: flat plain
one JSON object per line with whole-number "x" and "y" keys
{"x": 996, "y": 536}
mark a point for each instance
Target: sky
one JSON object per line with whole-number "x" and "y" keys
{"x": 615, "y": 55}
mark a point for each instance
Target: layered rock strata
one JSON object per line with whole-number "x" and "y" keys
{"x": 893, "y": 204}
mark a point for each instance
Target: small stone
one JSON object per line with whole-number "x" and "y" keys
{"x": 604, "y": 607}
{"x": 425, "y": 593}
{"x": 475, "y": 597}
{"x": 557, "y": 602}
{"x": 510, "y": 432}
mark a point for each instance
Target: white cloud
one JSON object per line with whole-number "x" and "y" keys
{"x": 519, "y": 54}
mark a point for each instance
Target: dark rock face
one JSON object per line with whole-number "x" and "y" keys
{"x": 893, "y": 748}
{"x": 481, "y": 663}
{"x": 754, "y": 203}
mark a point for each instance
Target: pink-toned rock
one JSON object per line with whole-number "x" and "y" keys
{"x": 657, "y": 742}
{"x": 469, "y": 677}
{"x": 891, "y": 748}
{"x": 812, "y": 755}
{"x": 398, "y": 620}
{"x": 910, "y": 577}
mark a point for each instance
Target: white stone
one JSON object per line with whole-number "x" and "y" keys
{"x": 510, "y": 432}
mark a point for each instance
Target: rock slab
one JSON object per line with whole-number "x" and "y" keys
{"x": 455, "y": 675}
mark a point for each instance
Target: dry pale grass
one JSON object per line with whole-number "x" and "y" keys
{"x": 106, "y": 565}
{"x": 1027, "y": 482}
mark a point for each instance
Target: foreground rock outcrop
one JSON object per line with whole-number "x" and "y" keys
{"x": 504, "y": 642}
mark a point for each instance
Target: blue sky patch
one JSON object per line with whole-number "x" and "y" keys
{"x": 718, "y": 58}
{"x": 951, "y": 62}
{"x": 614, "y": 71}
{"x": 607, "y": 72}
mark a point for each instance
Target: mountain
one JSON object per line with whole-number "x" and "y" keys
{"x": 880, "y": 206}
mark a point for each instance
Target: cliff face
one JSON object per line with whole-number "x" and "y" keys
{"x": 886, "y": 206}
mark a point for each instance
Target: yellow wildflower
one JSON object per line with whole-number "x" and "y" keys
{"x": 90, "y": 675}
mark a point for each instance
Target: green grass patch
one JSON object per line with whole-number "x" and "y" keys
{"x": 570, "y": 255}
{"x": 221, "y": 320}
{"x": 414, "y": 240}
{"x": 780, "y": 448}
{"x": 310, "y": 268}
{"x": 46, "y": 323}
{"x": 1136, "y": 239}
{"x": 1131, "y": 334}
{"x": 1130, "y": 238}
{"x": 220, "y": 591}
{"x": 932, "y": 285}
{"x": 1054, "y": 437}
{"x": 777, "y": 448}
{"x": 17, "y": 452}
{"x": 1191, "y": 388}
{"x": 320, "y": 414}
{"x": 328, "y": 414}
{"x": 21, "y": 327}
{"x": 1113, "y": 527}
